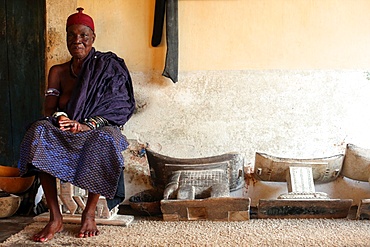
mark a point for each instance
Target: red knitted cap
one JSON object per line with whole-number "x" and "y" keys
{"x": 80, "y": 18}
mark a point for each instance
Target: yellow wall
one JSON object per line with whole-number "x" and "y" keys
{"x": 240, "y": 34}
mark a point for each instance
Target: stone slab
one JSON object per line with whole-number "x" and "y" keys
{"x": 220, "y": 208}
{"x": 115, "y": 220}
{"x": 283, "y": 208}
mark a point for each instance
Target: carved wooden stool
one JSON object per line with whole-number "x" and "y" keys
{"x": 72, "y": 201}
{"x": 301, "y": 201}
{"x": 199, "y": 188}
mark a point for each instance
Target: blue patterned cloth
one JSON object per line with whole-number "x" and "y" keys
{"x": 91, "y": 160}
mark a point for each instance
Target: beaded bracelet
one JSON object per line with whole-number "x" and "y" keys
{"x": 90, "y": 125}
{"x": 96, "y": 122}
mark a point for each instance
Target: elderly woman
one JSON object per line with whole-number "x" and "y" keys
{"x": 80, "y": 140}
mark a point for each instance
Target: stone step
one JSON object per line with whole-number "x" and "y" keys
{"x": 115, "y": 220}
{"x": 218, "y": 208}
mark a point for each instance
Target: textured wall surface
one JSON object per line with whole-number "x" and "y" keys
{"x": 285, "y": 113}
{"x": 290, "y": 113}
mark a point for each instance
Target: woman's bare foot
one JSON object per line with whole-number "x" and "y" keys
{"x": 88, "y": 226}
{"x": 48, "y": 232}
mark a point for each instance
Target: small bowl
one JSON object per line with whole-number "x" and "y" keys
{"x": 9, "y": 205}
{"x": 147, "y": 202}
{"x": 16, "y": 185}
{"x": 7, "y": 171}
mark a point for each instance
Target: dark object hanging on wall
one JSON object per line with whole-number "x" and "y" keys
{"x": 160, "y": 7}
{"x": 171, "y": 68}
{"x": 168, "y": 8}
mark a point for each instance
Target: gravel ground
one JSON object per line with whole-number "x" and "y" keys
{"x": 255, "y": 232}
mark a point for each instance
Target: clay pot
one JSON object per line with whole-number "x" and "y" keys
{"x": 9, "y": 205}
{"x": 16, "y": 185}
{"x": 7, "y": 171}
{"x": 147, "y": 202}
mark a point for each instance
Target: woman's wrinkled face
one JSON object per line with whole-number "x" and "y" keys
{"x": 80, "y": 39}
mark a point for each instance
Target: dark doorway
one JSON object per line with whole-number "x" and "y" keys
{"x": 22, "y": 72}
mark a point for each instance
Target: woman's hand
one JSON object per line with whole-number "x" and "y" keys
{"x": 67, "y": 124}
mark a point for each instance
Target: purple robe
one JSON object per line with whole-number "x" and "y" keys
{"x": 93, "y": 159}
{"x": 105, "y": 90}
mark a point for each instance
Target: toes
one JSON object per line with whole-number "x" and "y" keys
{"x": 38, "y": 238}
{"x": 43, "y": 239}
{"x": 83, "y": 235}
{"x": 88, "y": 234}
